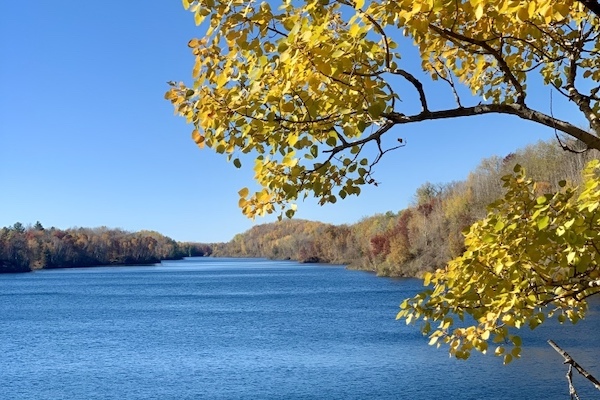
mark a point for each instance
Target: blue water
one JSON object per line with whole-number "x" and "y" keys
{"x": 251, "y": 329}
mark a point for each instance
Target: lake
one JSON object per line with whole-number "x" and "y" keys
{"x": 210, "y": 328}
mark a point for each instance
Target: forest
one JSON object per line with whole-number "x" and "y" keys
{"x": 409, "y": 242}
{"x": 24, "y": 249}
{"x": 419, "y": 238}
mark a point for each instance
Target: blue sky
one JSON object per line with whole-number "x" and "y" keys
{"x": 87, "y": 139}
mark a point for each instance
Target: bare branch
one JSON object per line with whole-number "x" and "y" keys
{"x": 582, "y": 101}
{"x": 560, "y": 142}
{"x": 569, "y": 360}
{"x": 374, "y": 136}
{"x": 448, "y": 79}
{"x": 416, "y": 83}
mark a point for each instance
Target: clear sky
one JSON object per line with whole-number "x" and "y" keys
{"x": 87, "y": 139}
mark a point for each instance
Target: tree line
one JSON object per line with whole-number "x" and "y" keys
{"x": 34, "y": 247}
{"x": 419, "y": 238}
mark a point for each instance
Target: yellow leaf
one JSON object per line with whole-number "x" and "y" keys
{"x": 243, "y": 192}
{"x": 531, "y": 9}
{"x": 221, "y": 80}
{"x": 264, "y": 196}
{"x": 292, "y": 139}
{"x": 198, "y": 138}
{"x": 287, "y": 107}
{"x": 198, "y": 18}
{"x": 561, "y": 10}
{"x": 479, "y": 11}
{"x": 427, "y": 278}
{"x": 522, "y": 14}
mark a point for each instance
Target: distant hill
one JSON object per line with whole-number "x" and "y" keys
{"x": 409, "y": 242}
{"x": 420, "y": 238}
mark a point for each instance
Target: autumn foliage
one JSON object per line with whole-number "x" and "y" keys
{"x": 419, "y": 238}
{"x": 35, "y": 247}
{"x": 312, "y": 90}
{"x": 534, "y": 256}
{"x": 530, "y": 256}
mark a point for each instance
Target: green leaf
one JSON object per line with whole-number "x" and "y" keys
{"x": 516, "y": 341}
{"x": 543, "y": 222}
{"x": 489, "y": 238}
{"x": 499, "y": 226}
{"x": 541, "y": 200}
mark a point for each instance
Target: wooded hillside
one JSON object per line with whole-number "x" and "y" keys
{"x": 416, "y": 239}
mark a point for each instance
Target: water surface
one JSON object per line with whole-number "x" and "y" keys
{"x": 251, "y": 329}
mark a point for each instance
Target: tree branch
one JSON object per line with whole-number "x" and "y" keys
{"x": 519, "y": 110}
{"x": 416, "y": 83}
{"x": 497, "y": 54}
{"x": 447, "y": 77}
{"x": 592, "y": 5}
{"x": 569, "y": 360}
{"x": 583, "y": 102}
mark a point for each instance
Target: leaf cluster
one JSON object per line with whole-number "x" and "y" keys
{"x": 532, "y": 257}
{"x": 308, "y": 89}
{"x": 285, "y": 85}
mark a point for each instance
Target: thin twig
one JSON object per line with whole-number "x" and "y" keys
{"x": 572, "y": 391}
{"x": 560, "y": 142}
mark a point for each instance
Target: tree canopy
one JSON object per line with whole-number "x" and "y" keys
{"x": 534, "y": 256}
{"x": 306, "y": 86}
